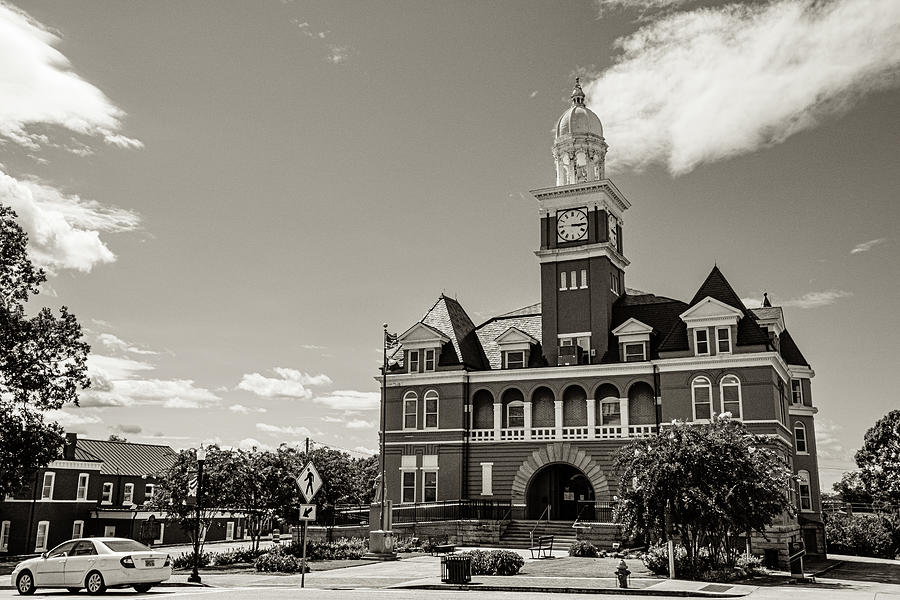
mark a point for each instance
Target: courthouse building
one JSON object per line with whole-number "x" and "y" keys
{"x": 531, "y": 405}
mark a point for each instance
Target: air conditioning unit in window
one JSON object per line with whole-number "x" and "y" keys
{"x": 569, "y": 355}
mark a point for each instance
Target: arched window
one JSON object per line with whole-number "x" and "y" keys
{"x": 730, "y": 392}
{"x": 410, "y": 406}
{"x": 431, "y": 409}
{"x": 800, "y": 438}
{"x": 803, "y": 490}
{"x": 482, "y": 410}
{"x": 701, "y": 392}
{"x": 515, "y": 414}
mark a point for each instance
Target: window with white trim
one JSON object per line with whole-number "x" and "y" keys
{"x": 40, "y": 538}
{"x": 4, "y": 536}
{"x": 410, "y": 406}
{"x": 701, "y": 392}
{"x": 701, "y": 342}
{"x": 431, "y": 409}
{"x": 804, "y": 491}
{"x": 723, "y": 340}
{"x": 82, "y": 490}
{"x": 149, "y": 490}
{"x": 562, "y": 281}
{"x": 429, "y": 360}
{"x": 128, "y": 491}
{"x": 162, "y": 529}
{"x": 429, "y": 486}
{"x": 409, "y": 486}
{"x": 573, "y": 283}
{"x": 730, "y": 392}
{"x": 583, "y": 279}
{"x": 515, "y": 414}
{"x": 487, "y": 479}
{"x": 106, "y": 496}
{"x": 48, "y": 484}
{"x": 614, "y": 283}
{"x": 800, "y": 438}
{"x": 77, "y": 529}
{"x": 610, "y": 412}
{"x": 515, "y": 359}
{"x": 413, "y": 361}
{"x": 782, "y": 411}
{"x": 796, "y": 391}
{"x": 635, "y": 352}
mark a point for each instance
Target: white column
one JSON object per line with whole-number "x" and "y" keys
{"x": 498, "y": 420}
{"x": 528, "y": 420}
{"x": 623, "y": 408}
{"x": 558, "y": 415}
{"x": 591, "y": 418}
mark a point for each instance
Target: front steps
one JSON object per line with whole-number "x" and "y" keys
{"x": 518, "y": 534}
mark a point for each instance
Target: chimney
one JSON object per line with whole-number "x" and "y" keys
{"x": 71, "y": 442}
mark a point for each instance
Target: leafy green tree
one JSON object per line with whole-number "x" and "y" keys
{"x": 852, "y": 489}
{"x": 42, "y": 363}
{"x": 879, "y": 459}
{"x": 718, "y": 481}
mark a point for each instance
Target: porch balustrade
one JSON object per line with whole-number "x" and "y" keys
{"x": 541, "y": 434}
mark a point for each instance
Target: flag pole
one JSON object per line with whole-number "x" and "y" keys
{"x": 383, "y": 405}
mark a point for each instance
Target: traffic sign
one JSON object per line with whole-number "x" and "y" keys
{"x": 307, "y": 512}
{"x": 309, "y": 481}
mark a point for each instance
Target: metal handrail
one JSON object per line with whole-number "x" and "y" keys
{"x": 578, "y": 518}
{"x": 538, "y": 522}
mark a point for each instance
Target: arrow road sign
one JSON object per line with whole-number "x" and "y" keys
{"x": 307, "y": 512}
{"x": 309, "y": 481}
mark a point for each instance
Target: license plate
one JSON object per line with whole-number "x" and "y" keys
{"x": 150, "y": 563}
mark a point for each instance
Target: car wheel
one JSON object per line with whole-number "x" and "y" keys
{"x": 25, "y": 583}
{"x": 94, "y": 583}
{"x": 74, "y": 590}
{"x": 143, "y": 587}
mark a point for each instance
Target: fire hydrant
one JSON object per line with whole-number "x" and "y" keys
{"x": 622, "y": 574}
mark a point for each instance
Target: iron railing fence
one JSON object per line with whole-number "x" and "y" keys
{"x": 424, "y": 512}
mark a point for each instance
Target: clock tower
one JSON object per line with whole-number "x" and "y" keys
{"x": 581, "y": 256}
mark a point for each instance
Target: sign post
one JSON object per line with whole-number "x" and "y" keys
{"x": 310, "y": 482}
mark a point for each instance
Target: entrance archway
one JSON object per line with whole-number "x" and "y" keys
{"x": 561, "y": 486}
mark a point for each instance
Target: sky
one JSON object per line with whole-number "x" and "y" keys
{"x": 233, "y": 197}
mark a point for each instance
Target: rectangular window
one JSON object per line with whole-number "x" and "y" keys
{"x": 409, "y": 486}
{"x": 149, "y": 490}
{"x": 610, "y": 412}
{"x": 701, "y": 342}
{"x": 782, "y": 413}
{"x": 162, "y": 528}
{"x": 723, "y": 338}
{"x": 77, "y": 529}
{"x": 129, "y": 494}
{"x": 805, "y": 494}
{"x": 515, "y": 415}
{"x": 515, "y": 360}
{"x": 634, "y": 352}
{"x": 47, "y": 488}
{"x": 429, "y": 486}
{"x": 413, "y": 361}
{"x": 702, "y": 403}
{"x": 429, "y": 360}
{"x": 614, "y": 283}
{"x": 431, "y": 410}
{"x": 796, "y": 391}
{"x": 4, "y": 536}
{"x": 409, "y": 413}
{"x": 106, "y": 498}
{"x": 573, "y": 283}
{"x": 83, "y": 479}
{"x": 40, "y": 540}
{"x": 562, "y": 281}
{"x": 584, "y": 279}
{"x": 110, "y": 531}
{"x": 487, "y": 479}
{"x": 800, "y": 438}
{"x": 731, "y": 400}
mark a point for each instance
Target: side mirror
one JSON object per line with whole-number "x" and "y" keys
{"x": 43, "y": 555}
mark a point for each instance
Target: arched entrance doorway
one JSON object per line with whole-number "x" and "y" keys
{"x": 562, "y": 486}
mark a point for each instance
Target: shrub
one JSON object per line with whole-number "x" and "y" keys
{"x": 185, "y": 560}
{"x": 583, "y": 548}
{"x": 236, "y": 555}
{"x": 407, "y": 545}
{"x": 278, "y": 560}
{"x": 656, "y": 559}
{"x": 340, "y": 549}
{"x": 494, "y": 562}
{"x": 862, "y": 535}
{"x": 750, "y": 565}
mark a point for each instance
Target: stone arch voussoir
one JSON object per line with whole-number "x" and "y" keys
{"x": 555, "y": 453}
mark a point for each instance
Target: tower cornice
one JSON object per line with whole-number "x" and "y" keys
{"x": 552, "y": 198}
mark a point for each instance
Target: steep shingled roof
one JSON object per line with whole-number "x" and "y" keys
{"x": 658, "y": 312}
{"x": 526, "y": 319}
{"x": 789, "y": 350}
{"x": 125, "y": 458}
{"x": 450, "y": 318}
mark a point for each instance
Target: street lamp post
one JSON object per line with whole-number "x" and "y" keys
{"x": 201, "y": 456}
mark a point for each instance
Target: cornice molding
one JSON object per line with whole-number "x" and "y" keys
{"x": 583, "y": 252}
{"x": 579, "y": 189}
{"x": 803, "y": 411}
{"x": 82, "y": 465}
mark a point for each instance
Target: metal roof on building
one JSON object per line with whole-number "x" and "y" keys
{"x": 126, "y": 458}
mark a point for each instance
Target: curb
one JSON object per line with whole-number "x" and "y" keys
{"x": 567, "y": 590}
{"x": 6, "y": 586}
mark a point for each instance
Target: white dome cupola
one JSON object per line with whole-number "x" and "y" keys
{"x": 579, "y": 150}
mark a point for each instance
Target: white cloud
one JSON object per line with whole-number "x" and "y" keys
{"x": 704, "y": 85}
{"x": 124, "y": 428}
{"x": 290, "y": 383}
{"x": 329, "y": 419}
{"x": 72, "y": 422}
{"x": 251, "y": 443}
{"x": 284, "y": 430}
{"x": 245, "y": 410}
{"x": 817, "y": 299}
{"x": 752, "y": 302}
{"x": 828, "y": 447}
{"x": 641, "y": 6}
{"x": 533, "y": 94}
{"x": 63, "y": 230}
{"x": 111, "y": 341}
{"x": 365, "y": 450}
{"x": 312, "y": 347}
{"x": 350, "y": 400}
{"x": 866, "y": 246}
{"x": 359, "y": 424}
{"x": 337, "y": 54}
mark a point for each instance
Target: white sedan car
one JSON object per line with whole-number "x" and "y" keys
{"x": 94, "y": 564}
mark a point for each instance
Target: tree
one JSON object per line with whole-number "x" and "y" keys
{"x": 116, "y": 438}
{"x": 718, "y": 480}
{"x": 42, "y": 363}
{"x": 879, "y": 459}
{"x": 852, "y": 489}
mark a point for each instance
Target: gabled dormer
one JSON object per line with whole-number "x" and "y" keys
{"x": 634, "y": 340}
{"x": 712, "y": 327}
{"x": 422, "y": 345}
{"x": 515, "y": 348}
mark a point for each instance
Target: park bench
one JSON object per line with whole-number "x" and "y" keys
{"x": 440, "y": 544}
{"x": 543, "y": 548}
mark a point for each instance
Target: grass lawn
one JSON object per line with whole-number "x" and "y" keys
{"x": 577, "y": 566}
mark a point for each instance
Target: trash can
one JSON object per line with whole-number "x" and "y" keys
{"x": 456, "y": 568}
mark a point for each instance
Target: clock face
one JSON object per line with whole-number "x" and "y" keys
{"x": 571, "y": 224}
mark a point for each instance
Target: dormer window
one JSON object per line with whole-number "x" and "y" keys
{"x": 634, "y": 340}
{"x": 723, "y": 339}
{"x": 515, "y": 347}
{"x": 429, "y": 360}
{"x": 701, "y": 342}
{"x": 635, "y": 352}
{"x": 422, "y": 345}
{"x": 796, "y": 391}
{"x": 515, "y": 360}
{"x": 413, "y": 361}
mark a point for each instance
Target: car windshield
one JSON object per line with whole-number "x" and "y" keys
{"x": 125, "y": 546}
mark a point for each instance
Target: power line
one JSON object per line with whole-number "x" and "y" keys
{"x": 348, "y": 450}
